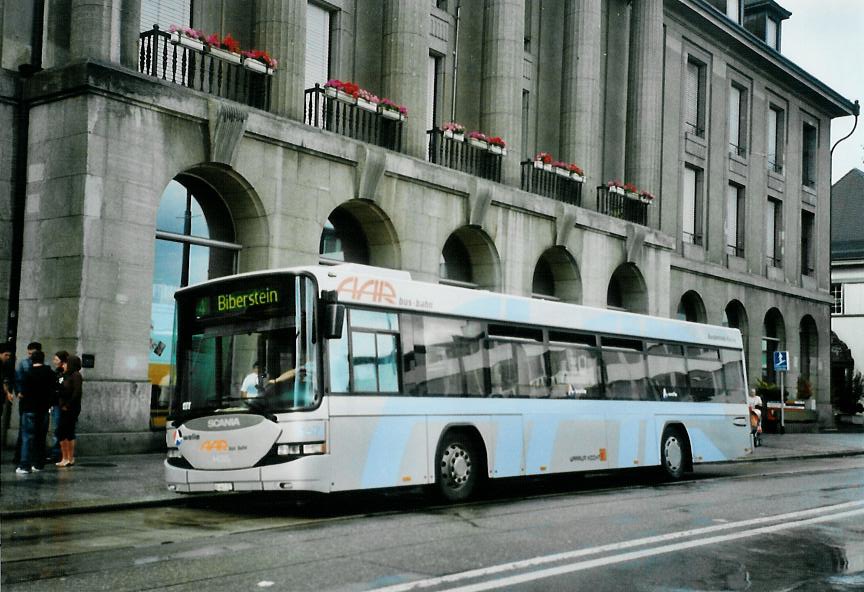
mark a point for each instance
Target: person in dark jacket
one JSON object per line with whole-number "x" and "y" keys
{"x": 57, "y": 361}
{"x": 70, "y": 408}
{"x": 37, "y": 388}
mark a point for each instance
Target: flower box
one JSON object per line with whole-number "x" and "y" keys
{"x": 618, "y": 190}
{"x": 367, "y": 105}
{"x": 177, "y": 38}
{"x": 391, "y": 114}
{"x": 547, "y": 166}
{"x": 577, "y": 177}
{"x": 478, "y": 143}
{"x": 645, "y": 200}
{"x": 539, "y": 165}
{"x": 225, "y": 55}
{"x": 330, "y": 91}
{"x": 257, "y": 66}
{"x": 562, "y": 172}
{"x": 631, "y": 194}
{"x": 455, "y": 136}
{"x": 341, "y": 95}
{"x": 495, "y": 149}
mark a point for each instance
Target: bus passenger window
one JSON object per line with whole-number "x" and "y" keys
{"x": 575, "y": 372}
{"x": 705, "y": 373}
{"x": 625, "y": 369}
{"x": 667, "y": 372}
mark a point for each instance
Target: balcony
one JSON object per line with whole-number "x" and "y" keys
{"x": 622, "y": 205}
{"x": 178, "y": 60}
{"x": 560, "y": 186}
{"x": 353, "y": 119}
{"x": 462, "y": 155}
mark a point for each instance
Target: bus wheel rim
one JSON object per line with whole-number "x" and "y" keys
{"x": 456, "y": 466}
{"x": 674, "y": 455}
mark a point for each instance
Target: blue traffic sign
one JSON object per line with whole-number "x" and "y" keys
{"x": 781, "y": 361}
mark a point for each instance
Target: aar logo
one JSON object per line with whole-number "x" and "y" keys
{"x": 377, "y": 291}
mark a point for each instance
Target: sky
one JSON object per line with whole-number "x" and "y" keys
{"x": 826, "y": 38}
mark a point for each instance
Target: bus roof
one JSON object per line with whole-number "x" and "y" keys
{"x": 394, "y": 289}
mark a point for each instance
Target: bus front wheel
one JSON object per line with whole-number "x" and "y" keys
{"x": 674, "y": 453}
{"x": 459, "y": 466}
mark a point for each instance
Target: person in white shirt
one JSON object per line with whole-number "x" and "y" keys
{"x": 249, "y": 388}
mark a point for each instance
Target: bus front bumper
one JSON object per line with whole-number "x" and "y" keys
{"x": 303, "y": 474}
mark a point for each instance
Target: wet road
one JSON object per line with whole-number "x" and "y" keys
{"x": 765, "y": 526}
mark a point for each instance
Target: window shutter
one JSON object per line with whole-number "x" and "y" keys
{"x": 317, "y": 46}
{"x": 772, "y": 137}
{"x": 770, "y": 227}
{"x": 732, "y": 9}
{"x": 735, "y": 117}
{"x": 732, "y": 217}
{"x": 689, "y": 202}
{"x": 164, "y": 13}
{"x": 431, "y": 95}
{"x": 691, "y": 96}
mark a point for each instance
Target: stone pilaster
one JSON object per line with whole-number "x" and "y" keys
{"x": 501, "y": 87}
{"x": 105, "y": 30}
{"x": 581, "y": 89}
{"x": 644, "y": 95}
{"x": 406, "y": 58}
{"x": 279, "y": 28}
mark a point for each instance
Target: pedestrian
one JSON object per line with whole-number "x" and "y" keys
{"x": 54, "y": 454}
{"x": 7, "y": 388}
{"x": 21, "y": 372}
{"x": 70, "y": 408}
{"x": 34, "y": 400}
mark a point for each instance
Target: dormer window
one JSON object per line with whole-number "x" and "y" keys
{"x": 763, "y": 18}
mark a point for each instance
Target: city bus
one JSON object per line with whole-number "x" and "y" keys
{"x": 349, "y": 377}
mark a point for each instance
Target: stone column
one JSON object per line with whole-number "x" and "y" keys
{"x": 581, "y": 89}
{"x": 644, "y": 95}
{"x": 90, "y": 30}
{"x": 501, "y": 85}
{"x": 279, "y": 28}
{"x": 406, "y": 58}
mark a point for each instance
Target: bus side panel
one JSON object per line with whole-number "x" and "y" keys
{"x": 373, "y": 446}
{"x": 713, "y": 437}
{"x": 632, "y": 439}
{"x": 560, "y": 441}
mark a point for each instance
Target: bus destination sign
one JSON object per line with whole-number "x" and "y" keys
{"x": 236, "y": 301}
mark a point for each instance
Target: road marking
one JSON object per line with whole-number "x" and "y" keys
{"x": 790, "y": 520}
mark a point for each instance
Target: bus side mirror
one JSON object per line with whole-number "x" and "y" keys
{"x": 334, "y": 320}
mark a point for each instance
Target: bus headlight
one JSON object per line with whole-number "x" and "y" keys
{"x": 174, "y": 453}
{"x": 301, "y": 449}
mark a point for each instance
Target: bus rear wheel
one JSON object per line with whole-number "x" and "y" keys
{"x": 674, "y": 453}
{"x": 458, "y": 467}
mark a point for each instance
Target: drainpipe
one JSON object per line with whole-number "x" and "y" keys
{"x": 19, "y": 178}
{"x": 455, "y": 64}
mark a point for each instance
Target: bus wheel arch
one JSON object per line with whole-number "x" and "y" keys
{"x": 676, "y": 452}
{"x": 460, "y": 463}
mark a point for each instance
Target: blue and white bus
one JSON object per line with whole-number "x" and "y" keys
{"x": 364, "y": 378}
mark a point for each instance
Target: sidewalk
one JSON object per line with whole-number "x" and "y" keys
{"x": 136, "y": 480}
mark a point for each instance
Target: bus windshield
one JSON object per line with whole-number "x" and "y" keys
{"x": 246, "y": 345}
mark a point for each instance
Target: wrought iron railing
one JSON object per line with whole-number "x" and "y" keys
{"x": 200, "y": 69}
{"x": 737, "y": 150}
{"x": 463, "y": 156}
{"x": 735, "y": 250}
{"x": 551, "y": 184}
{"x": 695, "y": 129}
{"x": 774, "y": 164}
{"x": 622, "y": 206}
{"x": 774, "y": 261}
{"x": 348, "y": 119}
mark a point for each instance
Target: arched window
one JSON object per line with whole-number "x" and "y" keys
{"x": 358, "y": 231}
{"x": 627, "y": 290}
{"x": 188, "y": 249}
{"x": 556, "y": 277}
{"x": 469, "y": 259}
{"x": 455, "y": 263}
{"x": 735, "y": 316}
{"x": 691, "y": 308}
{"x": 773, "y": 339}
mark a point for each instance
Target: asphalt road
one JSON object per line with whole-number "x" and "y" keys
{"x": 777, "y": 526}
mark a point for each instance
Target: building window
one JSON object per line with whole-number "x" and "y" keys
{"x": 776, "y": 138}
{"x": 738, "y": 120}
{"x": 527, "y": 25}
{"x": 837, "y": 299}
{"x": 774, "y": 233}
{"x": 526, "y": 106}
{"x": 807, "y": 243}
{"x": 772, "y": 34}
{"x": 694, "y": 97}
{"x": 808, "y": 155}
{"x": 733, "y": 10}
{"x": 692, "y": 204}
{"x": 433, "y": 89}
{"x": 317, "y": 45}
{"x": 734, "y": 224}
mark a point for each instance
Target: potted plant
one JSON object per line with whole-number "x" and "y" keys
{"x": 259, "y": 61}
{"x": 454, "y": 131}
{"x": 646, "y": 197}
{"x": 187, "y": 36}
{"x": 366, "y": 100}
{"x": 576, "y": 172}
{"x": 615, "y": 186}
{"x": 227, "y": 48}
{"x": 561, "y": 168}
{"x": 543, "y": 160}
{"x": 497, "y": 145}
{"x": 391, "y": 110}
{"x": 631, "y": 190}
{"x": 478, "y": 140}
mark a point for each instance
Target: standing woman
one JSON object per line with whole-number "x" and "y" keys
{"x": 70, "y": 408}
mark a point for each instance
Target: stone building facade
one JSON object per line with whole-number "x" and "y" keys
{"x": 690, "y": 100}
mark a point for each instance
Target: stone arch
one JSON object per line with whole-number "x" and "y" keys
{"x": 773, "y": 339}
{"x": 735, "y": 317}
{"x": 469, "y": 258}
{"x": 556, "y": 275}
{"x": 627, "y": 289}
{"x": 808, "y": 334}
{"x": 358, "y": 231}
{"x": 692, "y": 308}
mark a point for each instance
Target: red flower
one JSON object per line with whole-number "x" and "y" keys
{"x": 543, "y": 157}
{"x": 497, "y": 141}
{"x": 576, "y": 169}
{"x": 630, "y": 188}
{"x": 230, "y": 44}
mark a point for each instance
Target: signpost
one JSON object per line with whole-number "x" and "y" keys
{"x": 781, "y": 365}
